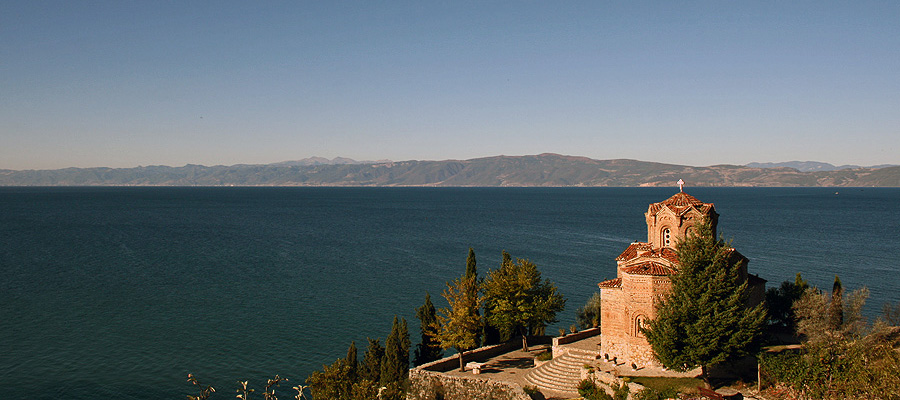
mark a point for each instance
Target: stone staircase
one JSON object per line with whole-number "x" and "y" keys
{"x": 562, "y": 373}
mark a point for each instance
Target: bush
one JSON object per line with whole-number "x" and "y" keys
{"x": 531, "y": 390}
{"x": 545, "y": 356}
{"x": 620, "y": 392}
{"x": 842, "y": 357}
{"x": 653, "y": 394}
{"x": 589, "y": 391}
{"x": 588, "y": 316}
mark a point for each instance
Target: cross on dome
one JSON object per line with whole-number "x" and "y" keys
{"x": 680, "y": 185}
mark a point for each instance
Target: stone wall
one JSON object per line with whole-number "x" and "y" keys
{"x": 482, "y": 353}
{"x": 606, "y": 380}
{"x": 572, "y": 337}
{"x": 428, "y": 382}
{"x": 431, "y": 385}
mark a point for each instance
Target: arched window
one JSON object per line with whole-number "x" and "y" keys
{"x": 667, "y": 237}
{"x": 639, "y": 322}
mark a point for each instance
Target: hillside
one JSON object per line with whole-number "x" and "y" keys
{"x": 533, "y": 170}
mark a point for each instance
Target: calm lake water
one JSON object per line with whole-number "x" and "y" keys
{"x": 120, "y": 292}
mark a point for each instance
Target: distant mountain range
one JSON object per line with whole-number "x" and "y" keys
{"x": 812, "y": 166}
{"x": 532, "y": 170}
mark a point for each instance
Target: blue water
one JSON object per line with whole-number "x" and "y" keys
{"x": 120, "y": 292}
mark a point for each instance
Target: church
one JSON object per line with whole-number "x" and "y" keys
{"x": 642, "y": 275}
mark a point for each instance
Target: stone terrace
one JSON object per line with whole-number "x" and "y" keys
{"x": 556, "y": 379}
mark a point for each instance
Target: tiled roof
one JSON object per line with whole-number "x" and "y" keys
{"x": 649, "y": 268}
{"x": 632, "y": 250}
{"x": 665, "y": 253}
{"x": 680, "y": 203}
{"x": 612, "y": 283}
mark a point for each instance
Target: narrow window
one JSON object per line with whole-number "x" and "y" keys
{"x": 638, "y": 325}
{"x": 667, "y": 237}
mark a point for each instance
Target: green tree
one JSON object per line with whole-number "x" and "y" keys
{"x": 352, "y": 363}
{"x": 395, "y": 364}
{"x": 458, "y": 325}
{"x": 371, "y": 366}
{"x": 471, "y": 264}
{"x": 518, "y": 300}
{"x": 704, "y": 320}
{"x": 429, "y": 349}
{"x": 836, "y": 311}
{"x": 405, "y": 344}
{"x": 780, "y": 301}
{"x": 390, "y": 364}
{"x": 588, "y": 316}
{"x": 332, "y": 382}
{"x": 852, "y": 360}
{"x": 472, "y": 272}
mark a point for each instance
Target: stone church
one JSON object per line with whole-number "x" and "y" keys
{"x": 642, "y": 275}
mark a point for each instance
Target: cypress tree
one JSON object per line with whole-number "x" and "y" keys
{"x": 405, "y": 344}
{"x": 352, "y": 363}
{"x": 390, "y": 365}
{"x": 429, "y": 349}
{"x": 471, "y": 268}
{"x": 472, "y": 273}
{"x": 836, "y": 310}
{"x": 704, "y": 320}
{"x": 371, "y": 368}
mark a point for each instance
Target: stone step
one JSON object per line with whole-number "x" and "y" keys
{"x": 552, "y": 384}
{"x": 585, "y": 354}
{"x": 561, "y": 374}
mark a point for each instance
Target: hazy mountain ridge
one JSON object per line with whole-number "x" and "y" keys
{"x": 531, "y": 170}
{"x": 812, "y": 166}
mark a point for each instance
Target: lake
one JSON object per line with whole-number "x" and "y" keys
{"x": 124, "y": 291}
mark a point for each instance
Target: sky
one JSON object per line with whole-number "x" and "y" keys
{"x": 128, "y": 83}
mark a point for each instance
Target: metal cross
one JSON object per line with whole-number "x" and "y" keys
{"x": 680, "y": 185}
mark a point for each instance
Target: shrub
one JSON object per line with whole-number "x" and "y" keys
{"x": 653, "y": 394}
{"x": 589, "y": 391}
{"x": 620, "y": 392}
{"x": 545, "y": 356}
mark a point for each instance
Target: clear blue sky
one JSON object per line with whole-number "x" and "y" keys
{"x": 127, "y": 83}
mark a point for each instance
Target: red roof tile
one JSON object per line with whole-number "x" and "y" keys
{"x": 665, "y": 253}
{"x": 632, "y": 250}
{"x": 647, "y": 251}
{"x": 649, "y": 268}
{"x": 680, "y": 203}
{"x": 612, "y": 283}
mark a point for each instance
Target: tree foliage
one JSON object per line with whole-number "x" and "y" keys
{"x": 332, "y": 382}
{"x": 395, "y": 364}
{"x": 588, "y": 316}
{"x": 429, "y": 349}
{"x": 518, "y": 300}
{"x": 352, "y": 362}
{"x": 371, "y": 366}
{"x": 704, "y": 320}
{"x": 348, "y": 379}
{"x": 891, "y": 313}
{"x": 472, "y": 272}
{"x": 780, "y": 302}
{"x": 848, "y": 360}
{"x": 459, "y": 324}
